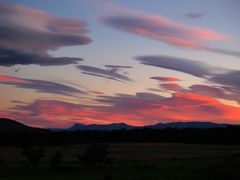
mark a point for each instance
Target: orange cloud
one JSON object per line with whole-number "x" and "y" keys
{"x": 165, "y": 79}
{"x": 6, "y": 79}
{"x": 139, "y": 109}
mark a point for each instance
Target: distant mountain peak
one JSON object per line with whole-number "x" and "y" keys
{"x": 118, "y": 126}
{"x": 103, "y": 127}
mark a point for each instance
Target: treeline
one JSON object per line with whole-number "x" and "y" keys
{"x": 228, "y": 135}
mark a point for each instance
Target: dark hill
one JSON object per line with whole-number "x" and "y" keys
{"x": 184, "y": 125}
{"x": 11, "y": 126}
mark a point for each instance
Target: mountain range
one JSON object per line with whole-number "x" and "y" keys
{"x": 8, "y": 125}
{"x": 118, "y": 126}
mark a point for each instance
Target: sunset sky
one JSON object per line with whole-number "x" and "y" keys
{"x": 140, "y": 62}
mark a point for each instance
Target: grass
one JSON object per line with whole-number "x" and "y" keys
{"x": 143, "y": 161}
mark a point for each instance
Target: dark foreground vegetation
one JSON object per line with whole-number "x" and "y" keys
{"x": 132, "y": 161}
{"x": 228, "y": 135}
{"x": 146, "y": 154}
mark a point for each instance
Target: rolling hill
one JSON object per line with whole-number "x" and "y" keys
{"x": 11, "y": 126}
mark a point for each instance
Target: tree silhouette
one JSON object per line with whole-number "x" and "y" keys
{"x": 33, "y": 155}
{"x": 96, "y": 156}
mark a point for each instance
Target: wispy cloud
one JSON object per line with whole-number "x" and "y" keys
{"x": 11, "y": 57}
{"x": 195, "y": 68}
{"x": 116, "y": 68}
{"x": 41, "y": 86}
{"x": 109, "y": 73}
{"x": 221, "y": 92}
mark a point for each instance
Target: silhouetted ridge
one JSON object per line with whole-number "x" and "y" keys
{"x": 119, "y": 126}
{"x": 183, "y": 125}
{"x": 11, "y": 126}
{"x": 101, "y": 127}
{"x": 16, "y": 134}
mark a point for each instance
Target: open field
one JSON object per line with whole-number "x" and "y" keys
{"x": 130, "y": 161}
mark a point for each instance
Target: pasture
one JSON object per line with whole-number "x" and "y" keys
{"x": 143, "y": 161}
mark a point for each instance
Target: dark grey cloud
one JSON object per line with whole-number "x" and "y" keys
{"x": 105, "y": 73}
{"x": 35, "y": 30}
{"x": 221, "y": 92}
{"x": 127, "y": 102}
{"x": 27, "y": 34}
{"x": 51, "y": 87}
{"x": 116, "y": 68}
{"x": 101, "y": 76}
{"x": 231, "y": 78}
{"x": 217, "y": 75}
{"x": 222, "y": 83}
{"x": 11, "y": 57}
{"x": 41, "y": 86}
{"x": 223, "y": 51}
{"x": 195, "y": 68}
{"x": 208, "y": 90}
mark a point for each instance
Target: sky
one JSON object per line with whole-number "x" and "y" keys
{"x": 138, "y": 62}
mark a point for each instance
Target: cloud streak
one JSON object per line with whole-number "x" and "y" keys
{"x": 11, "y": 57}
{"x": 195, "y": 68}
{"x": 111, "y": 73}
{"x": 40, "y": 86}
{"x": 167, "y": 30}
{"x": 221, "y": 92}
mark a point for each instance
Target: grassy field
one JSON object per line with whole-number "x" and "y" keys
{"x": 131, "y": 161}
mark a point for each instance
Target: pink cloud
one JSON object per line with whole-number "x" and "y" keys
{"x": 41, "y": 86}
{"x": 139, "y": 109}
{"x": 173, "y": 32}
{"x": 166, "y": 30}
{"x": 7, "y": 79}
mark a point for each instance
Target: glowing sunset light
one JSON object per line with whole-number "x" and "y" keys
{"x": 102, "y": 62}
